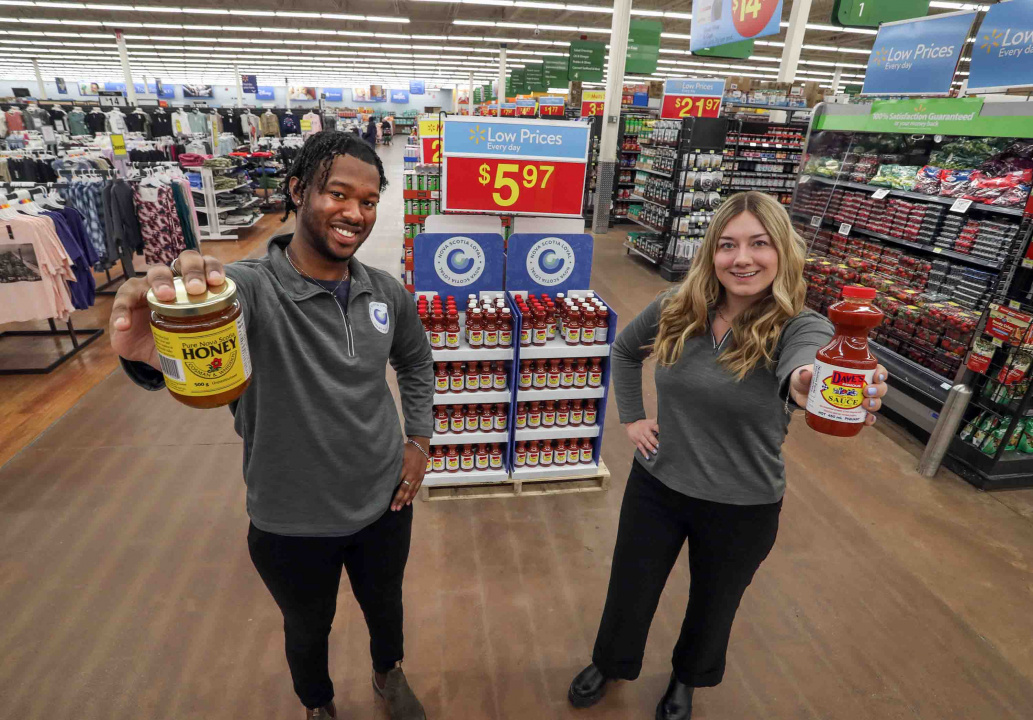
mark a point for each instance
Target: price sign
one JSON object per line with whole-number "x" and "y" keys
{"x": 804, "y": 179}
{"x": 118, "y": 145}
{"x": 815, "y": 221}
{"x": 520, "y": 167}
{"x": 306, "y": 125}
{"x": 880, "y": 194}
{"x": 550, "y": 106}
{"x": 692, "y": 98}
{"x": 509, "y": 109}
{"x": 960, "y": 205}
{"x": 592, "y": 102}
{"x": 525, "y": 108}
{"x": 430, "y": 128}
{"x": 844, "y": 229}
{"x": 430, "y": 150}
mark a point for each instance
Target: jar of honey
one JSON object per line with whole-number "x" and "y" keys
{"x": 202, "y": 345}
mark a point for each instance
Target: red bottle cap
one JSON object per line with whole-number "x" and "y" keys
{"x": 857, "y": 291}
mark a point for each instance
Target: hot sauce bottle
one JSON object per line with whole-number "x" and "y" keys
{"x": 466, "y": 460}
{"x": 843, "y": 369}
{"x": 588, "y": 327}
{"x": 495, "y": 457}
{"x": 550, "y": 320}
{"x": 487, "y": 376}
{"x": 437, "y": 459}
{"x": 526, "y": 376}
{"x": 456, "y": 379}
{"x": 440, "y": 377}
{"x": 520, "y": 421}
{"x": 440, "y": 420}
{"x": 491, "y": 330}
{"x": 533, "y": 454}
{"x": 458, "y": 423}
{"x": 540, "y": 331}
{"x": 500, "y": 419}
{"x": 581, "y": 373}
{"x": 473, "y": 377}
{"x": 545, "y": 458}
{"x": 595, "y": 373}
{"x": 520, "y": 454}
{"x": 563, "y": 413}
{"x": 499, "y": 376}
{"x": 506, "y": 328}
{"x": 534, "y": 415}
{"x": 549, "y": 414}
{"x": 552, "y": 379}
{"x": 452, "y": 459}
{"x": 567, "y": 376}
{"x": 577, "y": 413}
{"x": 437, "y": 332}
{"x": 452, "y": 331}
{"x": 572, "y": 327}
{"x": 560, "y": 455}
{"x": 590, "y": 413}
{"x": 481, "y": 457}
{"x": 472, "y": 419}
{"x": 586, "y": 450}
{"x": 476, "y": 328}
{"x": 487, "y": 418}
{"x": 602, "y": 326}
{"x": 541, "y": 375}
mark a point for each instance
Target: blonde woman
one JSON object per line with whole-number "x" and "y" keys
{"x": 734, "y": 349}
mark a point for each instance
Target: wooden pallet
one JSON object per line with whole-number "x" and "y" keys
{"x": 520, "y": 488}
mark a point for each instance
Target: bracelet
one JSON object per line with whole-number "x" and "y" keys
{"x": 415, "y": 444}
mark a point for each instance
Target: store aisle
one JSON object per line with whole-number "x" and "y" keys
{"x": 127, "y": 590}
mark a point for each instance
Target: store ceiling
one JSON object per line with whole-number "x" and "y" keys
{"x": 337, "y": 42}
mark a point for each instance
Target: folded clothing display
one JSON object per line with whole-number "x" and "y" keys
{"x": 191, "y": 160}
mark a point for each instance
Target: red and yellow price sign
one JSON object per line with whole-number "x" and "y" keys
{"x": 751, "y": 16}
{"x": 514, "y": 186}
{"x": 430, "y": 149}
{"x": 592, "y": 102}
{"x": 675, "y": 107}
{"x": 550, "y": 111}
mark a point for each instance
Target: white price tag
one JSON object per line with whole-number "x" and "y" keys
{"x": 960, "y": 205}
{"x": 804, "y": 179}
{"x": 815, "y": 221}
{"x": 937, "y": 250}
{"x": 880, "y": 193}
{"x": 844, "y": 229}
{"x": 149, "y": 194}
{"x": 1027, "y": 263}
{"x": 48, "y": 134}
{"x": 997, "y": 342}
{"x": 1014, "y": 304}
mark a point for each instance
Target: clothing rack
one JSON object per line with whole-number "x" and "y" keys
{"x": 73, "y": 334}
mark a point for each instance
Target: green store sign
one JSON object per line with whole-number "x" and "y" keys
{"x": 943, "y": 116}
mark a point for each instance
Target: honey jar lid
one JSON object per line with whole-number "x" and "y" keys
{"x": 186, "y": 305}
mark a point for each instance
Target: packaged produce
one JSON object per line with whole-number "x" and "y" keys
{"x": 963, "y": 153}
{"x": 986, "y": 426}
{"x": 898, "y": 177}
{"x": 928, "y": 180}
{"x": 1008, "y": 190}
{"x": 954, "y": 183}
{"x": 1025, "y": 444}
{"x": 982, "y": 353}
{"x": 1013, "y": 441}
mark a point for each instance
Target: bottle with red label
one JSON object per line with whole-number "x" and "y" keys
{"x": 845, "y": 367}
{"x": 545, "y": 459}
{"x": 602, "y": 326}
{"x": 495, "y": 457}
{"x": 440, "y": 420}
{"x": 541, "y": 375}
{"x": 588, "y": 326}
{"x": 520, "y": 454}
{"x": 581, "y": 373}
{"x": 487, "y": 376}
{"x": 595, "y": 373}
{"x": 457, "y": 379}
{"x": 506, "y": 328}
{"x": 534, "y": 415}
{"x": 437, "y": 459}
{"x": 549, "y": 414}
{"x": 560, "y": 455}
{"x": 440, "y": 377}
{"x": 541, "y": 335}
{"x": 452, "y": 331}
{"x": 552, "y": 380}
{"x": 533, "y": 454}
{"x": 526, "y": 381}
{"x": 590, "y": 412}
{"x": 567, "y": 374}
{"x": 586, "y": 451}
{"x": 491, "y": 330}
{"x": 500, "y": 419}
{"x": 487, "y": 418}
{"x": 572, "y": 327}
{"x": 473, "y": 378}
{"x": 563, "y": 413}
{"x": 458, "y": 421}
{"x": 577, "y": 412}
{"x": 452, "y": 459}
{"x": 476, "y": 328}
{"x": 498, "y": 381}
{"x": 481, "y": 457}
{"x": 437, "y": 332}
{"x": 466, "y": 459}
{"x": 520, "y": 420}
{"x": 473, "y": 419}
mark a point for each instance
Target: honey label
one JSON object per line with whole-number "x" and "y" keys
{"x": 204, "y": 363}
{"x": 837, "y": 392}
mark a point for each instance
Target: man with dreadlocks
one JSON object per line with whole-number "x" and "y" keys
{"x": 330, "y": 476}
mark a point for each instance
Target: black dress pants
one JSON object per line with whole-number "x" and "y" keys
{"x": 727, "y": 543}
{"x": 303, "y": 575}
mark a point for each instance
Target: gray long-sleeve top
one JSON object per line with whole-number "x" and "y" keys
{"x": 323, "y": 447}
{"x": 720, "y": 439}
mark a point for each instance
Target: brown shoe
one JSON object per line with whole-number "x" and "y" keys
{"x": 323, "y": 713}
{"x": 402, "y": 703}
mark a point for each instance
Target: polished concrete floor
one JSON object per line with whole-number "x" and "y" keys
{"x": 126, "y": 590}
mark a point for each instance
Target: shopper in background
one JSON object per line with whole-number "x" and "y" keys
{"x": 734, "y": 349}
{"x": 370, "y": 136}
{"x": 330, "y": 477}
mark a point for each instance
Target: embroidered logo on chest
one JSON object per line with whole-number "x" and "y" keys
{"x": 378, "y": 316}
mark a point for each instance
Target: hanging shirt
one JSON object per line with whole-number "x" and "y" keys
{"x": 161, "y": 124}
{"x": 289, "y": 125}
{"x": 59, "y": 119}
{"x": 15, "y": 120}
{"x": 36, "y": 118}
{"x": 77, "y": 123}
{"x": 139, "y": 121}
{"x": 34, "y": 271}
{"x": 198, "y": 122}
{"x": 181, "y": 123}
{"x": 270, "y": 125}
{"x": 249, "y": 124}
{"x": 83, "y": 290}
{"x": 159, "y": 224}
{"x": 97, "y": 122}
{"x": 117, "y": 122}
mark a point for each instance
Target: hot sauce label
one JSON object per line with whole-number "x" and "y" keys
{"x": 505, "y": 338}
{"x": 441, "y": 383}
{"x": 204, "y": 363}
{"x": 837, "y": 393}
{"x": 439, "y": 463}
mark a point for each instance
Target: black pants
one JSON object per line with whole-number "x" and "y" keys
{"x": 303, "y": 574}
{"x": 727, "y": 543}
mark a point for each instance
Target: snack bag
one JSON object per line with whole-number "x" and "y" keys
{"x": 985, "y": 427}
{"x": 993, "y": 440}
{"x": 928, "y": 180}
{"x": 970, "y": 428}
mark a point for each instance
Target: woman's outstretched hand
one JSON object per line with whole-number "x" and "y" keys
{"x": 800, "y": 386}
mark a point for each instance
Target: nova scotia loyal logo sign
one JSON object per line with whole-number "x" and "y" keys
{"x": 1003, "y": 54}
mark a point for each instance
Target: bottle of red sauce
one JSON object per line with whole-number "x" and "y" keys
{"x": 440, "y": 377}
{"x": 452, "y": 331}
{"x": 440, "y": 420}
{"x": 843, "y": 369}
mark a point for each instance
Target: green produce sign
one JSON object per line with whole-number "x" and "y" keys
{"x": 586, "y": 61}
{"x": 943, "y": 116}
{"x": 643, "y": 46}
{"x": 517, "y": 83}
{"x": 736, "y": 50}
{"x": 555, "y": 71}
{"x": 869, "y": 13}
{"x": 536, "y": 78}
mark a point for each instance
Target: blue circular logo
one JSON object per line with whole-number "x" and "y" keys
{"x": 459, "y": 261}
{"x": 550, "y": 261}
{"x": 380, "y": 316}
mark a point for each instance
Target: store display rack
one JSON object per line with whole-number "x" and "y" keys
{"x": 214, "y": 225}
{"x": 557, "y": 349}
{"x": 634, "y": 137}
{"x": 937, "y": 263}
{"x": 763, "y": 156}
{"x": 678, "y": 183}
{"x": 421, "y": 198}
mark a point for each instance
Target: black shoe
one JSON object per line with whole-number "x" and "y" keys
{"x": 676, "y": 704}
{"x": 587, "y": 688}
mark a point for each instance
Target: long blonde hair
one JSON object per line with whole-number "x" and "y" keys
{"x": 755, "y": 331}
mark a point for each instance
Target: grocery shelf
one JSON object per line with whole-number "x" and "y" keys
{"x": 762, "y": 159}
{"x": 228, "y": 208}
{"x": 224, "y": 190}
{"x": 475, "y": 397}
{"x": 469, "y": 438}
{"x": 553, "y": 433}
{"x": 1015, "y": 212}
{"x": 580, "y": 393}
{"x": 564, "y": 471}
{"x": 649, "y": 227}
{"x": 635, "y": 250}
{"x": 469, "y": 477}
{"x": 225, "y": 227}
{"x": 558, "y": 348}
{"x": 639, "y": 198}
{"x": 468, "y": 353}
{"x": 653, "y": 172}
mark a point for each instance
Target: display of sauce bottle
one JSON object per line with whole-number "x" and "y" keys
{"x": 456, "y": 380}
{"x": 481, "y": 457}
{"x": 437, "y": 459}
{"x": 440, "y": 377}
{"x": 520, "y": 421}
{"x": 525, "y": 330}
{"x": 588, "y": 326}
{"x": 473, "y": 420}
{"x": 520, "y": 454}
{"x": 602, "y": 326}
{"x": 487, "y": 418}
{"x": 586, "y": 451}
{"x": 541, "y": 333}
{"x": 499, "y": 376}
{"x": 581, "y": 373}
{"x": 573, "y": 454}
{"x": 458, "y": 423}
{"x": 452, "y": 459}
{"x": 577, "y": 412}
{"x": 466, "y": 460}
{"x": 563, "y": 413}
{"x": 495, "y": 457}
{"x": 550, "y": 320}
{"x": 560, "y": 455}
{"x": 506, "y": 328}
{"x": 534, "y": 454}
{"x": 552, "y": 379}
{"x": 844, "y": 368}
{"x": 452, "y": 331}
{"x": 440, "y": 420}
{"x": 549, "y": 414}
{"x": 491, "y": 330}
{"x": 526, "y": 376}
{"x": 595, "y": 373}
{"x": 572, "y": 327}
{"x": 487, "y": 376}
{"x": 437, "y": 332}
{"x": 534, "y": 415}
{"x": 590, "y": 413}
{"x": 473, "y": 377}
{"x": 541, "y": 375}
{"x": 499, "y": 418}
{"x": 545, "y": 459}
{"x": 476, "y": 327}
{"x": 567, "y": 375}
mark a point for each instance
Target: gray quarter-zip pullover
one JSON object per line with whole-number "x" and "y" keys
{"x": 322, "y": 444}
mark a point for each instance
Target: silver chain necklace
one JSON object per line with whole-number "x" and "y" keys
{"x": 347, "y": 273}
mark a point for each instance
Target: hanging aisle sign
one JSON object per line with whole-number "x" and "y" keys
{"x": 643, "y": 46}
{"x": 718, "y": 22}
{"x": 518, "y": 167}
{"x": 592, "y": 102}
{"x": 1002, "y": 55}
{"x": 417, "y": 87}
{"x": 447, "y": 264}
{"x": 550, "y": 106}
{"x": 692, "y": 98}
{"x": 554, "y": 70}
{"x": 585, "y": 62}
{"x": 917, "y": 57}
{"x": 249, "y": 83}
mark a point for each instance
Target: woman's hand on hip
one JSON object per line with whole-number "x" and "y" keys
{"x": 645, "y": 434}
{"x": 800, "y": 386}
